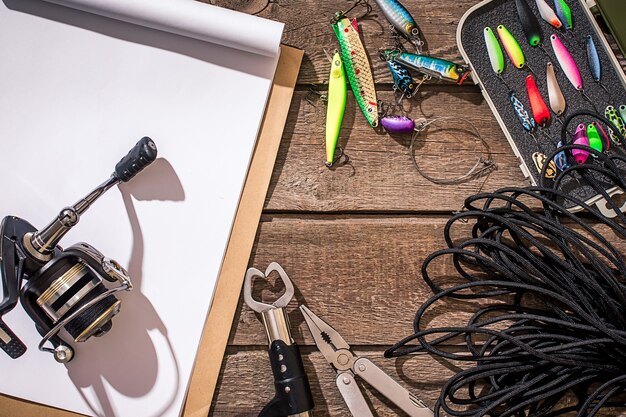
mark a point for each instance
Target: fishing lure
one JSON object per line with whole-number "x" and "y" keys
{"x": 564, "y": 13}
{"x": 594, "y": 63}
{"x": 512, "y": 48}
{"x": 593, "y": 136}
{"x": 560, "y": 159}
{"x": 540, "y": 110}
{"x": 402, "y": 79}
{"x": 522, "y": 115}
{"x": 540, "y": 159}
{"x": 606, "y": 143}
{"x": 555, "y": 95}
{"x": 617, "y": 122}
{"x": 357, "y": 66}
{"x": 529, "y": 22}
{"x": 566, "y": 62}
{"x": 622, "y": 112}
{"x": 337, "y": 92}
{"x": 580, "y": 138}
{"x": 496, "y": 57}
{"x": 431, "y": 66}
{"x": 548, "y": 14}
{"x": 402, "y": 21}
{"x": 398, "y": 124}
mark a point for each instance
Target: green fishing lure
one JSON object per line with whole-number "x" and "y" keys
{"x": 337, "y": 92}
{"x": 496, "y": 57}
{"x": 511, "y": 46}
{"x": 357, "y": 66}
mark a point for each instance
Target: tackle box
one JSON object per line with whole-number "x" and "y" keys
{"x": 471, "y": 43}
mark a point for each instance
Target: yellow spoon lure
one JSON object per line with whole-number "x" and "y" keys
{"x": 337, "y": 92}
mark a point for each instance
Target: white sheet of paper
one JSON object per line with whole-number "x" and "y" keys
{"x": 76, "y": 93}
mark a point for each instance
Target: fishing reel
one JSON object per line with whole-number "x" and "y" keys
{"x": 63, "y": 288}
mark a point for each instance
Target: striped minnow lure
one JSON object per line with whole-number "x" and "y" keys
{"x": 548, "y": 14}
{"x": 431, "y": 66}
{"x": 402, "y": 79}
{"x": 337, "y": 92}
{"x": 357, "y": 66}
{"x": 402, "y": 21}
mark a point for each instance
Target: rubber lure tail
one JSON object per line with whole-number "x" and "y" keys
{"x": 580, "y": 138}
{"x": 567, "y": 63}
{"x": 617, "y": 122}
{"x": 512, "y": 48}
{"x": 557, "y": 100}
{"x": 402, "y": 79}
{"x": 496, "y": 57}
{"x": 594, "y": 137}
{"x": 522, "y": 115}
{"x": 593, "y": 59}
{"x": 357, "y": 67}
{"x": 560, "y": 159}
{"x": 540, "y": 110}
{"x": 529, "y": 22}
{"x": 434, "y": 67}
{"x": 337, "y": 92}
{"x": 397, "y": 124}
{"x": 606, "y": 143}
{"x": 402, "y": 21}
{"x": 548, "y": 14}
{"x": 564, "y": 13}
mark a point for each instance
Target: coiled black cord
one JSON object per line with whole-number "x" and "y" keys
{"x": 547, "y": 336}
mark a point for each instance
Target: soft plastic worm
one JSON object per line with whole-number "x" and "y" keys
{"x": 540, "y": 110}
{"x": 337, "y": 93}
{"x": 434, "y": 67}
{"x": 496, "y": 57}
{"x": 564, "y": 13}
{"x": 580, "y": 138}
{"x": 512, "y": 48}
{"x": 357, "y": 66}
{"x": 593, "y": 59}
{"x": 567, "y": 63}
{"x": 402, "y": 21}
{"x": 594, "y": 137}
{"x": 548, "y": 14}
{"x": 617, "y": 122}
{"x": 529, "y": 22}
{"x": 522, "y": 115}
{"x": 555, "y": 95}
{"x": 402, "y": 79}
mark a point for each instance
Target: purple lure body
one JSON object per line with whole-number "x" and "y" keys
{"x": 397, "y": 124}
{"x": 580, "y": 138}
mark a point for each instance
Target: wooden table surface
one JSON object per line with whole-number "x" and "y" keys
{"x": 352, "y": 239}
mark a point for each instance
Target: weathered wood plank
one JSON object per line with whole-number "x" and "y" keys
{"x": 246, "y": 384}
{"x": 307, "y": 26}
{"x": 381, "y": 176}
{"x": 360, "y": 274}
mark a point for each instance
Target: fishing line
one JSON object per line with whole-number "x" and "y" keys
{"x": 546, "y": 332}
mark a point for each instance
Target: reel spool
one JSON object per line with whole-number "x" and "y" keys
{"x": 63, "y": 289}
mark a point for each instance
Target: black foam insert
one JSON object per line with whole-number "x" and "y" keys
{"x": 504, "y": 12}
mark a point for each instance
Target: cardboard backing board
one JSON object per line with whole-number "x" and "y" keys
{"x": 219, "y": 320}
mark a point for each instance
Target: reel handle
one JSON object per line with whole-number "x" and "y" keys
{"x": 139, "y": 157}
